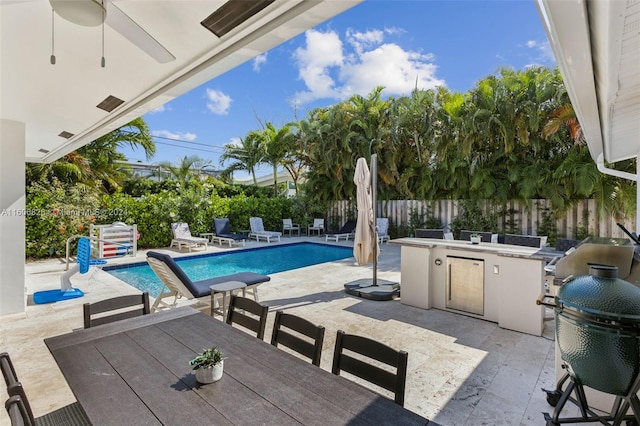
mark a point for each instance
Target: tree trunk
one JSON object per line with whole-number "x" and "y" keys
{"x": 275, "y": 180}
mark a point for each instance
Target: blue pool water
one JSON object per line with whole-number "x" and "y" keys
{"x": 262, "y": 260}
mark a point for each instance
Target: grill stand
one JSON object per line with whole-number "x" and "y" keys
{"x": 558, "y": 398}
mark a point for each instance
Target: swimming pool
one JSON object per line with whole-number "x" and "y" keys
{"x": 262, "y": 260}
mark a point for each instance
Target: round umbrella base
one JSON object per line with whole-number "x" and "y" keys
{"x": 384, "y": 290}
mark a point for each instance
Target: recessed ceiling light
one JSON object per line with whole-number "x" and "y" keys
{"x": 110, "y": 103}
{"x": 232, "y": 14}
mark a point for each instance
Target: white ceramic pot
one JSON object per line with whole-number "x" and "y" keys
{"x": 475, "y": 240}
{"x": 210, "y": 374}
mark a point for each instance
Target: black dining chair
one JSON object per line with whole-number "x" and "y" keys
{"x": 138, "y": 302}
{"x": 17, "y": 411}
{"x": 239, "y": 310}
{"x": 374, "y": 350}
{"x": 18, "y": 403}
{"x": 8, "y": 371}
{"x": 311, "y": 349}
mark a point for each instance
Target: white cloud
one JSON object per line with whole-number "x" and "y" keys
{"x": 218, "y": 102}
{"x": 161, "y": 108}
{"x": 259, "y": 60}
{"x": 398, "y": 70}
{"x": 321, "y": 52}
{"x": 361, "y": 41}
{"x": 235, "y": 141}
{"x": 542, "y": 52}
{"x": 184, "y": 136}
{"x": 330, "y": 71}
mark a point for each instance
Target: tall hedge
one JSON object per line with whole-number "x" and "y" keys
{"x": 58, "y": 212}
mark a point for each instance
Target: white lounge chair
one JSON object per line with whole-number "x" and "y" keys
{"x": 382, "y": 223}
{"x": 288, "y": 225}
{"x": 318, "y": 225}
{"x": 257, "y": 230}
{"x": 224, "y": 234}
{"x": 182, "y": 237}
{"x": 345, "y": 232}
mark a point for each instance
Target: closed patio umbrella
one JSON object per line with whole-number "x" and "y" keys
{"x": 364, "y": 238}
{"x": 365, "y": 246}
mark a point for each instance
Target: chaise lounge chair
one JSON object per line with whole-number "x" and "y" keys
{"x": 182, "y": 237}
{"x": 178, "y": 284}
{"x": 345, "y": 232}
{"x": 257, "y": 230}
{"x": 224, "y": 234}
{"x": 382, "y": 223}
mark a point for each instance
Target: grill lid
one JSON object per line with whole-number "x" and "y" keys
{"x": 602, "y": 295}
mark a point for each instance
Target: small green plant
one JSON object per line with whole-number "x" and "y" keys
{"x": 547, "y": 226}
{"x": 208, "y": 358}
{"x": 422, "y": 220}
{"x": 472, "y": 217}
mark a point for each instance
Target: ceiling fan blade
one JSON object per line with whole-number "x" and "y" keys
{"x": 133, "y": 32}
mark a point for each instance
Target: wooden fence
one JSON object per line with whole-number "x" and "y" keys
{"x": 524, "y": 218}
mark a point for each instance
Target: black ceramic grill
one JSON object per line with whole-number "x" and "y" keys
{"x": 598, "y": 335}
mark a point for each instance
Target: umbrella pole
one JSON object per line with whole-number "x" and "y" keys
{"x": 374, "y": 201}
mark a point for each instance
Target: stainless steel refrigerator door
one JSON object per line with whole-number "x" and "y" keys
{"x": 465, "y": 285}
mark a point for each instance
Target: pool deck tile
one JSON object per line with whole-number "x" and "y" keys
{"x": 462, "y": 371}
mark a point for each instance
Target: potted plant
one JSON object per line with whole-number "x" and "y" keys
{"x": 475, "y": 238}
{"x": 208, "y": 365}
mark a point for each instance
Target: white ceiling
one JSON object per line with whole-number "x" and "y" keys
{"x": 597, "y": 46}
{"x": 50, "y": 98}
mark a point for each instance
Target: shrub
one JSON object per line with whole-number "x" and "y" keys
{"x": 56, "y": 212}
{"x": 472, "y": 218}
{"x": 68, "y": 210}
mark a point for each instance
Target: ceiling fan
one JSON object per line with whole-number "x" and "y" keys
{"x": 91, "y": 13}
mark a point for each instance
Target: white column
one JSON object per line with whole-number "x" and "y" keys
{"x": 12, "y": 224}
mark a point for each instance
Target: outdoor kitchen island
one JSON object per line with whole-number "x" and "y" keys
{"x": 494, "y": 282}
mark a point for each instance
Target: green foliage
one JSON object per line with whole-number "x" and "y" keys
{"x": 304, "y": 209}
{"x": 208, "y": 358}
{"x": 511, "y": 137}
{"x": 509, "y": 221}
{"x": 472, "y": 218}
{"x": 139, "y": 186}
{"x": 419, "y": 220}
{"x": 56, "y": 212}
{"x": 194, "y": 202}
{"x": 399, "y": 231}
{"x": 95, "y": 165}
{"x": 582, "y": 230}
{"x": 271, "y": 210}
{"x": 547, "y": 226}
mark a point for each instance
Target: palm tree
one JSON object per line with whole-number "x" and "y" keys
{"x": 247, "y": 156}
{"x": 564, "y": 116}
{"x": 187, "y": 168}
{"x": 296, "y": 160}
{"x": 96, "y": 164}
{"x": 276, "y": 144}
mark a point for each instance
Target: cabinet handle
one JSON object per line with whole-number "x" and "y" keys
{"x": 450, "y": 265}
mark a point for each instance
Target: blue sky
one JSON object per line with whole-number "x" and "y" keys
{"x": 394, "y": 44}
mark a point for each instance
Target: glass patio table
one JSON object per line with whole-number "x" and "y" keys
{"x": 136, "y": 371}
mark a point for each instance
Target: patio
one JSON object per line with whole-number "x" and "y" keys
{"x": 462, "y": 371}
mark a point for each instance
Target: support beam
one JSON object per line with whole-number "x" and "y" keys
{"x": 12, "y": 211}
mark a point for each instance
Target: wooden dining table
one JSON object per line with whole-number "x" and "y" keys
{"x": 136, "y": 372}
